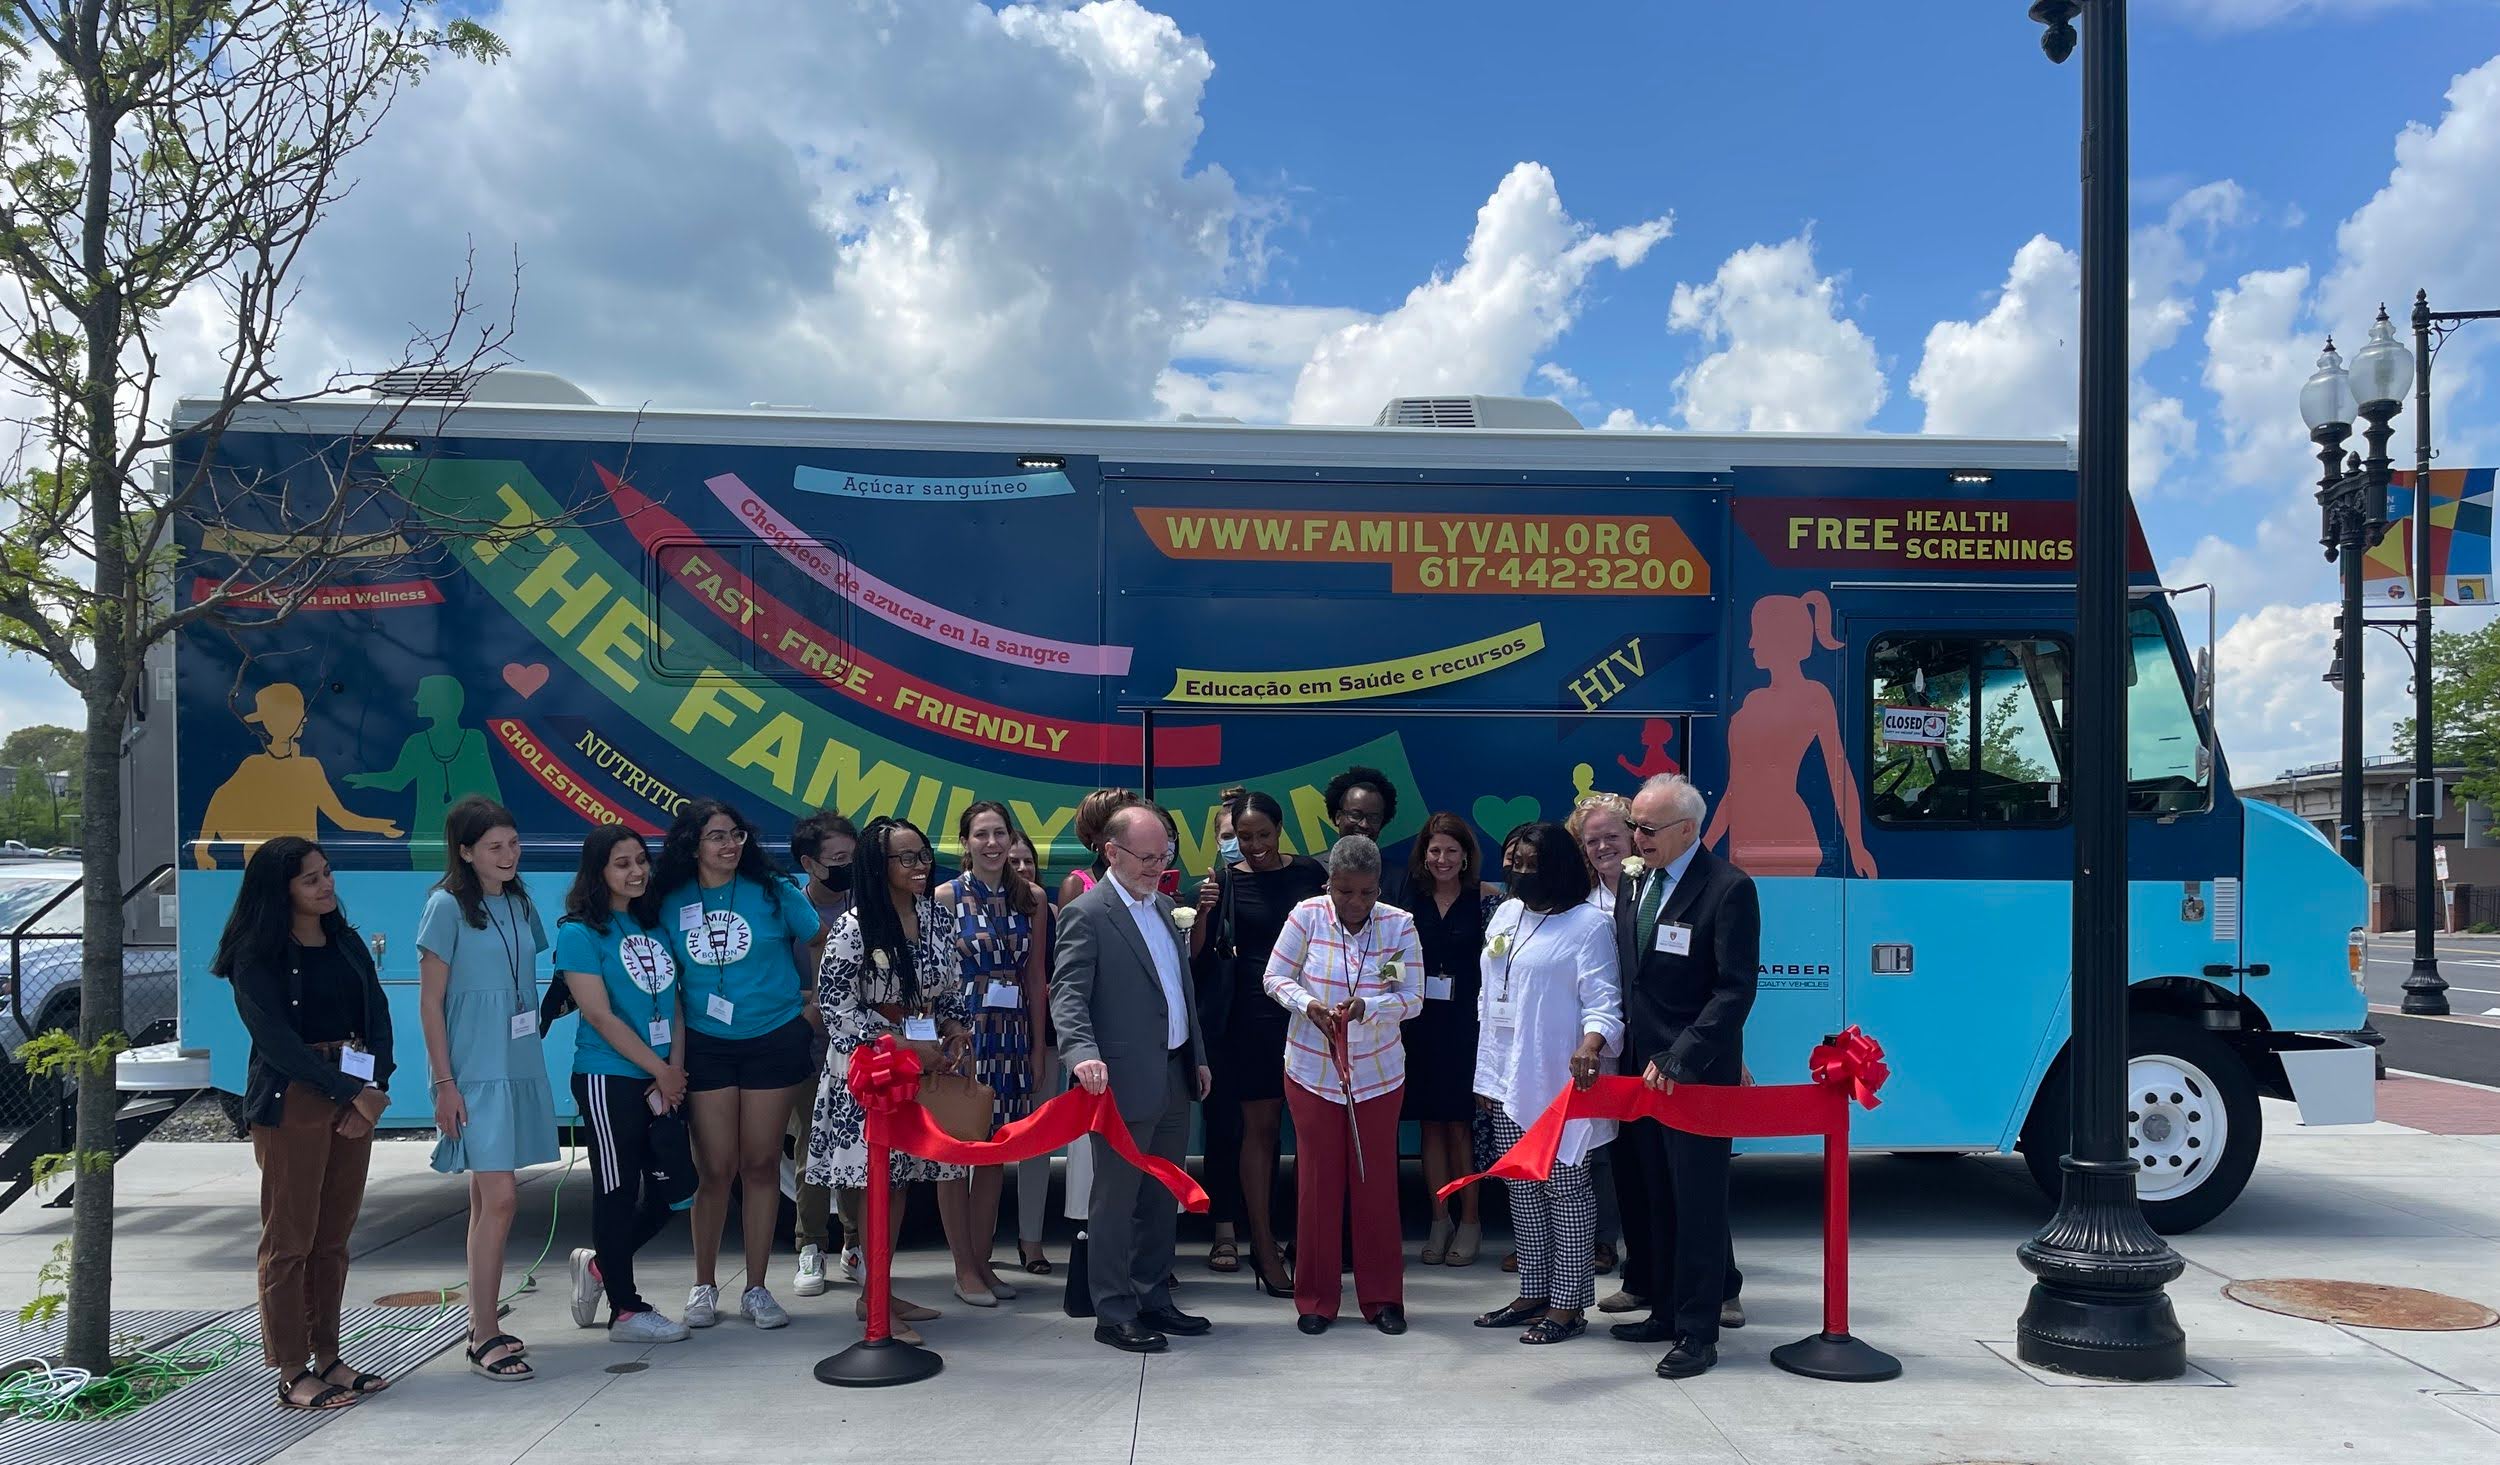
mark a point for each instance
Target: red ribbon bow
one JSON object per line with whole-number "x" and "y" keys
{"x": 885, "y": 1079}
{"x": 1852, "y": 1062}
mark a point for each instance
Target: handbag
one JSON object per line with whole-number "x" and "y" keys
{"x": 961, "y": 1106}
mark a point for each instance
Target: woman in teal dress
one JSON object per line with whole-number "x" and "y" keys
{"x": 478, "y": 945}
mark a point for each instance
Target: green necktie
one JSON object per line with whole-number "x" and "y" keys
{"x": 1653, "y": 897}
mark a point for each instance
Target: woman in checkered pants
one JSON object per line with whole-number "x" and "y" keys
{"x": 1551, "y": 1009}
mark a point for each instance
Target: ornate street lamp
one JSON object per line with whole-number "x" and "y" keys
{"x": 2098, "y": 1307}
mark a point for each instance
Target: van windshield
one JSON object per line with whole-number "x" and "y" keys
{"x": 2166, "y": 768}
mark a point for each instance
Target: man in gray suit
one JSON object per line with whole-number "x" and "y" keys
{"x": 1128, "y": 1021}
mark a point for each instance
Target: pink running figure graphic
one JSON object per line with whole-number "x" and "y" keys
{"x": 1656, "y": 733}
{"x": 1765, "y": 820}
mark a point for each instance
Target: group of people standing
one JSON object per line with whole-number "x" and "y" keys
{"x": 721, "y": 1001}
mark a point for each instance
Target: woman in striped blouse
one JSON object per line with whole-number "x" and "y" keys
{"x": 1348, "y": 967}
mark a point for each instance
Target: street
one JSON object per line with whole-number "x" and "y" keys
{"x": 2470, "y": 963}
{"x": 2465, "y": 1045}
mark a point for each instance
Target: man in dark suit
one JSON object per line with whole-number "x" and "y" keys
{"x": 1690, "y": 940}
{"x": 1120, "y": 996}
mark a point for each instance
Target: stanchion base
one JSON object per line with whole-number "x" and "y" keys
{"x": 875, "y": 1363}
{"x": 1838, "y": 1357}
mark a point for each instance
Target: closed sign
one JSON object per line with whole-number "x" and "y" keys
{"x": 1919, "y": 726}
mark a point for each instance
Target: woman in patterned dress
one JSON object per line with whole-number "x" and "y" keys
{"x": 890, "y": 966}
{"x": 997, "y": 912}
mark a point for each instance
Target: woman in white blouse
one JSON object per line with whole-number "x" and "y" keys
{"x": 1348, "y": 968}
{"x": 1551, "y": 1011}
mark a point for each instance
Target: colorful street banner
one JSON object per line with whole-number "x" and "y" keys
{"x": 2461, "y": 571}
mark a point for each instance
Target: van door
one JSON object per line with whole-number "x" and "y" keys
{"x": 1957, "y": 944}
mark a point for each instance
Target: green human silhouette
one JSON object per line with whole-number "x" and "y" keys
{"x": 445, "y": 761}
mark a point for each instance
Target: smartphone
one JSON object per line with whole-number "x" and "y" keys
{"x": 1171, "y": 882}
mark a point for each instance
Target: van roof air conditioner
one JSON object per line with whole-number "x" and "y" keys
{"x": 1518, "y": 413}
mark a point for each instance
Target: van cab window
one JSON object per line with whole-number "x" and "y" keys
{"x": 2166, "y": 761}
{"x": 1968, "y": 730}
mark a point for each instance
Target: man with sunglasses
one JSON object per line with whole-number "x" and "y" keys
{"x": 1127, "y": 1016}
{"x": 1689, "y": 936}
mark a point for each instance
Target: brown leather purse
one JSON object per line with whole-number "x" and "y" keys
{"x": 961, "y": 1106}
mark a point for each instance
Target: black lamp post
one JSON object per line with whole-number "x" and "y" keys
{"x": 2097, "y": 1306}
{"x": 2352, "y": 517}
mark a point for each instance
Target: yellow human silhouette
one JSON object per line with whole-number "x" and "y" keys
{"x": 1583, "y": 781}
{"x": 279, "y": 790}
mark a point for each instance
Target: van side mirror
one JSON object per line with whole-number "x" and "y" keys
{"x": 2204, "y": 679}
{"x": 2204, "y": 764}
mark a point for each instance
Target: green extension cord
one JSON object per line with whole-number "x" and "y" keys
{"x": 65, "y": 1395}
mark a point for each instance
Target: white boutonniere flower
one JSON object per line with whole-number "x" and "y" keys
{"x": 1392, "y": 974}
{"x": 1634, "y": 867}
{"x": 881, "y": 960}
{"x": 1184, "y": 917}
{"x": 1501, "y": 943}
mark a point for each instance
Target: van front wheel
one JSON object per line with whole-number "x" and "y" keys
{"x": 2192, "y": 1123}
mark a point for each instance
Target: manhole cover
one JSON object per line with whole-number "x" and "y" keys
{"x": 412, "y": 1299}
{"x": 2363, "y": 1304}
{"x": 636, "y": 1366}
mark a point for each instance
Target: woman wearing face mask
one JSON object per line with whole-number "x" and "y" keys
{"x": 1346, "y": 966}
{"x": 890, "y": 967}
{"x": 1261, "y": 891}
{"x": 1211, "y": 952}
{"x": 1449, "y": 906}
{"x": 821, "y": 846}
{"x": 477, "y": 993}
{"x": 628, "y": 1072}
{"x": 740, "y": 932}
{"x": 998, "y": 917}
{"x": 1550, "y": 1010}
{"x": 306, "y": 991}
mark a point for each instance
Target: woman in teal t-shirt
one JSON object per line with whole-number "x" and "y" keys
{"x": 626, "y": 1076}
{"x": 741, "y": 933}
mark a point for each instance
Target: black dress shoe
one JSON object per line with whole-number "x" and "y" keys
{"x": 1688, "y": 1359}
{"x": 1390, "y": 1319}
{"x": 1133, "y": 1337}
{"x": 1313, "y": 1324}
{"x": 1648, "y": 1330}
{"x": 1175, "y": 1322}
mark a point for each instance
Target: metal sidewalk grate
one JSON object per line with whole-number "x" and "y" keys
{"x": 230, "y": 1417}
{"x": 153, "y": 1327}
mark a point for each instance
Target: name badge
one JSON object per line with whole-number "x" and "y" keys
{"x": 1003, "y": 995}
{"x": 524, "y": 1025}
{"x": 719, "y": 1008}
{"x": 920, "y": 1029}
{"x": 1675, "y": 940}
{"x": 1501, "y": 1013}
{"x": 689, "y": 916}
{"x": 659, "y": 1032}
{"x": 1440, "y": 989}
{"x": 356, "y": 1064}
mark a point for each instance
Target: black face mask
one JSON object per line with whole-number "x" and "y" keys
{"x": 837, "y": 878}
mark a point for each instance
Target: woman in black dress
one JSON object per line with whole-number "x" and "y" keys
{"x": 1253, "y": 898}
{"x": 1449, "y": 905}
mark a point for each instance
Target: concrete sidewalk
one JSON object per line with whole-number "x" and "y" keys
{"x": 1936, "y": 1284}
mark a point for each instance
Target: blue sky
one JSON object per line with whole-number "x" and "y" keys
{"x": 1680, "y": 215}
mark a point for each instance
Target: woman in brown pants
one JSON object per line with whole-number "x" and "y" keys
{"x": 321, "y": 1063}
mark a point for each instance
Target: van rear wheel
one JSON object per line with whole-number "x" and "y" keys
{"x": 2192, "y": 1123}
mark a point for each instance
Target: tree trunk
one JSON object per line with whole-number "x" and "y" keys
{"x": 90, "y": 1340}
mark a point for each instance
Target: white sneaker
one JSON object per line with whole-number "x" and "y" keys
{"x": 646, "y": 1327}
{"x": 761, "y": 1310}
{"x": 811, "y": 1277}
{"x": 703, "y": 1306}
{"x": 586, "y": 1288}
{"x": 852, "y": 1267}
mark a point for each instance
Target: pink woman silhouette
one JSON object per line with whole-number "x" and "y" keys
{"x": 1765, "y": 821}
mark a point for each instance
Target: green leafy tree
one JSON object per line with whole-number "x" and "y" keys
{"x": 159, "y": 152}
{"x": 2465, "y": 709}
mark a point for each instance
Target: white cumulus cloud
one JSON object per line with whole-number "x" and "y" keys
{"x": 1481, "y": 327}
{"x": 1787, "y": 358}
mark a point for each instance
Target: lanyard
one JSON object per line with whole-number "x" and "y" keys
{"x": 639, "y": 929}
{"x": 511, "y": 948}
{"x": 1519, "y": 948}
{"x": 1357, "y": 962}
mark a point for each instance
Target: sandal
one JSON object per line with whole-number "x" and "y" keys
{"x": 511, "y": 1368}
{"x": 1513, "y": 1315}
{"x": 358, "y": 1381}
{"x": 1224, "y": 1256}
{"x": 1034, "y": 1261}
{"x": 331, "y": 1395}
{"x": 1546, "y": 1330}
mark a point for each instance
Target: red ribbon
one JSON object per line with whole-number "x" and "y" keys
{"x": 1852, "y": 1062}
{"x": 1849, "y": 1066}
{"x": 885, "y": 1079}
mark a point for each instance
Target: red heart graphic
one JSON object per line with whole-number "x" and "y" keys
{"x": 525, "y": 680}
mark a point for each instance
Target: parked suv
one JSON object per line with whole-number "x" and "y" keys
{"x": 39, "y": 965}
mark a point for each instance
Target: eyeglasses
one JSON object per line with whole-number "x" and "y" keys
{"x": 911, "y": 859}
{"x": 1159, "y": 857}
{"x": 1654, "y": 830}
{"x": 725, "y": 837}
